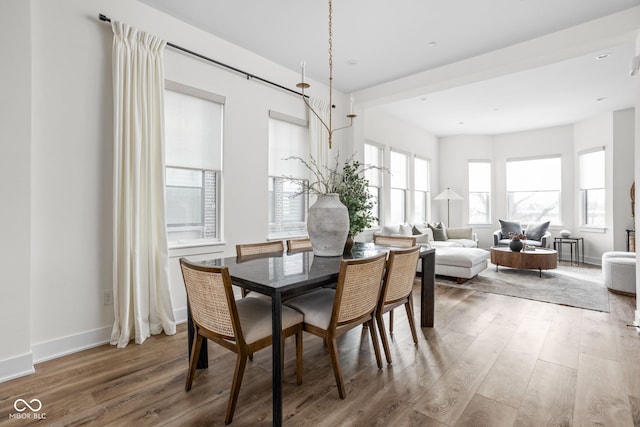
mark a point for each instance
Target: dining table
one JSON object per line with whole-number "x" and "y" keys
{"x": 285, "y": 275}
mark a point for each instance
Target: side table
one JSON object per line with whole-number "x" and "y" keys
{"x": 631, "y": 240}
{"x": 576, "y": 242}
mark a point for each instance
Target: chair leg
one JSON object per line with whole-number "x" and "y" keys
{"x": 241, "y": 363}
{"x": 383, "y": 336}
{"x": 195, "y": 351}
{"x": 412, "y": 325}
{"x": 335, "y": 364}
{"x": 374, "y": 340}
{"x": 298, "y": 355}
{"x": 391, "y": 322}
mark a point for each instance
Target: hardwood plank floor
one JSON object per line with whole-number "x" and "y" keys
{"x": 491, "y": 360}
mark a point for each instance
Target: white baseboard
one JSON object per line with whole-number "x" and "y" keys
{"x": 16, "y": 367}
{"x": 70, "y": 344}
{"x": 40, "y": 352}
{"x": 180, "y": 315}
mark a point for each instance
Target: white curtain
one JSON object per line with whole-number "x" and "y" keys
{"x": 318, "y": 133}
{"x": 142, "y": 298}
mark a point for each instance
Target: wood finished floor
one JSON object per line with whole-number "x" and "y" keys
{"x": 491, "y": 360}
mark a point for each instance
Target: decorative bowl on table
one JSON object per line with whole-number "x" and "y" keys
{"x": 564, "y": 233}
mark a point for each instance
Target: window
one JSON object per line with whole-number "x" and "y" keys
{"x": 592, "y": 164}
{"x": 193, "y": 159}
{"x": 479, "y": 192}
{"x": 421, "y": 190}
{"x": 373, "y": 157}
{"x": 398, "y": 169}
{"x": 288, "y": 206}
{"x": 533, "y": 189}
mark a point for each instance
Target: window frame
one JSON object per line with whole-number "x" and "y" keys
{"x": 426, "y": 192}
{"x": 380, "y": 186}
{"x": 528, "y": 171}
{"x": 276, "y": 229}
{"x": 488, "y": 193}
{"x": 404, "y": 191}
{"x": 584, "y": 192}
{"x": 217, "y": 188}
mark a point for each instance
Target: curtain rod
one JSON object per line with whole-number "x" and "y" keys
{"x": 248, "y": 75}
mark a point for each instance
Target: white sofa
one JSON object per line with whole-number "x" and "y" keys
{"x": 456, "y": 237}
{"x": 458, "y": 256}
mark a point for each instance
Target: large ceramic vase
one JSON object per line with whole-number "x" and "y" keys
{"x": 328, "y": 225}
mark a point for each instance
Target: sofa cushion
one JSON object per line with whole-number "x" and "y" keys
{"x": 439, "y": 232}
{"x": 534, "y": 243}
{"x": 445, "y": 244}
{"x": 461, "y": 257}
{"x": 535, "y": 230}
{"x": 405, "y": 229}
{"x": 460, "y": 233}
{"x": 388, "y": 230}
{"x": 507, "y": 227}
{"x": 465, "y": 243}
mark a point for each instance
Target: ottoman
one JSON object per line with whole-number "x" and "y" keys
{"x": 461, "y": 263}
{"x": 619, "y": 272}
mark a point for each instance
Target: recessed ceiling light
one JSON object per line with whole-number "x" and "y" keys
{"x": 601, "y": 98}
{"x": 424, "y": 98}
{"x": 352, "y": 62}
{"x": 603, "y": 56}
{"x": 460, "y": 123}
{"x": 431, "y": 44}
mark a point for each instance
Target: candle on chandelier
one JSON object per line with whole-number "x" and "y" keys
{"x": 351, "y": 106}
{"x": 302, "y": 64}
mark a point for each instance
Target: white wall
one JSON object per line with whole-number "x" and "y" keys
{"x": 391, "y": 132}
{"x": 592, "y": 133}
{"x": 15, "y": 182}
{"x": 623, "y": 176}
{"x": 455, "y": 153}
{"x": 57, "y": 255}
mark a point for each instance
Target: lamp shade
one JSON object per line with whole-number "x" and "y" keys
{"x": 448, "y": 194}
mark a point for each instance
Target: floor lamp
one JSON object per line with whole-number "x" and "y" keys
{"x": 448, "y": 195}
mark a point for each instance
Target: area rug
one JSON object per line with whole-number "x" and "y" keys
{"x": 580, "y": 287}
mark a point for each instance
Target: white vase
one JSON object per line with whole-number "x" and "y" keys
{"x": 328, "y": 225}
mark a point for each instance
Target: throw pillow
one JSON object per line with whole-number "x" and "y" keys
{"x": 423, "y": 240}
{"x": 535, "y": 230}
{"x": 388, "y": 230}
{"x": 439, "y": 232}
{"x": 460, "y": 233}
{"x": 507, "y": 227}
{"x": 406, "y": 230}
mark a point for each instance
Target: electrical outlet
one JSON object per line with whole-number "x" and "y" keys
{"x": 108, "y": 298}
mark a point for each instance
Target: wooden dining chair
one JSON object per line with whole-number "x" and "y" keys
{"x": 401, "y": 241}
{"x": 299, "y": 245}
{"x": 242, "y": 326}
{"x": 256, "y": 249}
{"x": 262, "y": 248}
{"x": 396, "y": 291}
{"x": 330, "y": 313}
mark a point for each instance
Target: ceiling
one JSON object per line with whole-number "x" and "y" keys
{"x": 377, "y": 41}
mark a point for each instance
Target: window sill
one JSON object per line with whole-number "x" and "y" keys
{"x": 195, "y": 244}
{"x": 588, "y": 229}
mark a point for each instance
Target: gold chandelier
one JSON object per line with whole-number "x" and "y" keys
{"x": 302, "y": 85}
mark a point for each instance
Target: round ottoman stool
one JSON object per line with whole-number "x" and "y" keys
{"x": 619, "y": 272}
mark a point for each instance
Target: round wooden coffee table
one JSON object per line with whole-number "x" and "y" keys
{"x": 540, "y": 258}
